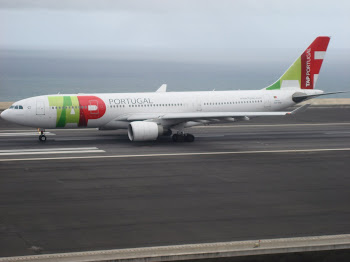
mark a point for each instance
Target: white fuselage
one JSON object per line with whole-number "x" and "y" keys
{"x": 104, "y": 110}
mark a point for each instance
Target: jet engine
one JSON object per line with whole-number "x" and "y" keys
{"x": 144, "y": 131}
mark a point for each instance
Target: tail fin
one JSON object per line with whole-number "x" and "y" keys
{"x": 303, "y": 73}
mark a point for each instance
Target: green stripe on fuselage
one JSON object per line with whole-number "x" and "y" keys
{"x": 67, "y": 108}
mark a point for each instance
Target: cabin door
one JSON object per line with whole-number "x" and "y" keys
{"x": 40, "y": 107}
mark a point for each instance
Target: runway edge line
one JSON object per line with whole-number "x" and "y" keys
{"x": 200, "y": 251}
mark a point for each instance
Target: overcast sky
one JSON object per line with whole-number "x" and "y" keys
{"x": 181, "y": 26}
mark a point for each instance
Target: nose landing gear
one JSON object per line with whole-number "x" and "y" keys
{"x": 183, "y": 137}
{"x": 42, "y": 137}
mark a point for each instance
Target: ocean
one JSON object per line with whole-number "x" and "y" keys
{"x": 26, "y": 73}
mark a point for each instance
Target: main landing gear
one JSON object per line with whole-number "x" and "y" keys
{"x": 42, "y": 137}
{"x": 183, "y": 137}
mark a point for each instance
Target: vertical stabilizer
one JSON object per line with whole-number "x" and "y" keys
{"x": 303, "y": 73}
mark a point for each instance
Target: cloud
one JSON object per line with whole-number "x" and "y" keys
{"x": 98, "y": 5}
{"x": 191, "y": 27}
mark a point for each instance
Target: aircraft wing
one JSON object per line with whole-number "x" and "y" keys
{"x": 203, "y": 115}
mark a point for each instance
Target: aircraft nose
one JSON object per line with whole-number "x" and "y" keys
{"x": 5, "y": 114}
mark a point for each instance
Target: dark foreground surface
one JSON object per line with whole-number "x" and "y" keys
{"x": 89, "y": 190}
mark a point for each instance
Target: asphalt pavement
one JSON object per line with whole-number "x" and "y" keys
{"x": 90, "y": 190}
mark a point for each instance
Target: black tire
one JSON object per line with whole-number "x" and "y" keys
{"x": 189, "y": 138}
{"x": 175, "y": 137}
{"x": 168, "y": 133}
{"x": 42, "y": 138}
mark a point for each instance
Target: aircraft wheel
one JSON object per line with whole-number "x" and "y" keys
{"x": 42, "y": 138}
{"x": 175, "y": 137}
{"x": 168, "y": 133}
{"x": 189, "y": 138}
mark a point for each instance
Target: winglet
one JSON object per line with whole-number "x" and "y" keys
{"x": 299, "y": 109}
{"x": 161, "y": 89}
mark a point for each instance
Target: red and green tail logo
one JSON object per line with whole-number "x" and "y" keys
{"x": 303, "y": 73}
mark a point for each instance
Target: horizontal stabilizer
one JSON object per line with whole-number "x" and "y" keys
{"x": 299, "y": 97}
{"x": 300, "y": 109}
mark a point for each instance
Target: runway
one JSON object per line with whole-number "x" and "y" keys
{"x": 90, "y": 190}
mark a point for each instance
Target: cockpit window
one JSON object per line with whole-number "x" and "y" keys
{"x": 16, "y": 107}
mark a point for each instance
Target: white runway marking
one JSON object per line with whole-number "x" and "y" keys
{"x": 45, "y": 151}
{"x": 25, "y": 134}
{"x": 337, "y": 132}
{"x": 48, "y": 149}
{"x": 182, "y": 154}
{"x": 57, "y": 129}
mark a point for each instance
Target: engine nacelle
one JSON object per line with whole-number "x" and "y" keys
{"x": 144, "y": 131}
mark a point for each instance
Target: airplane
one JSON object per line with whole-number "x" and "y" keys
{"x": 147, "y": 116}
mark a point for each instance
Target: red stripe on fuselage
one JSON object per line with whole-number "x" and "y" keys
{"x": 91, "y": 107}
